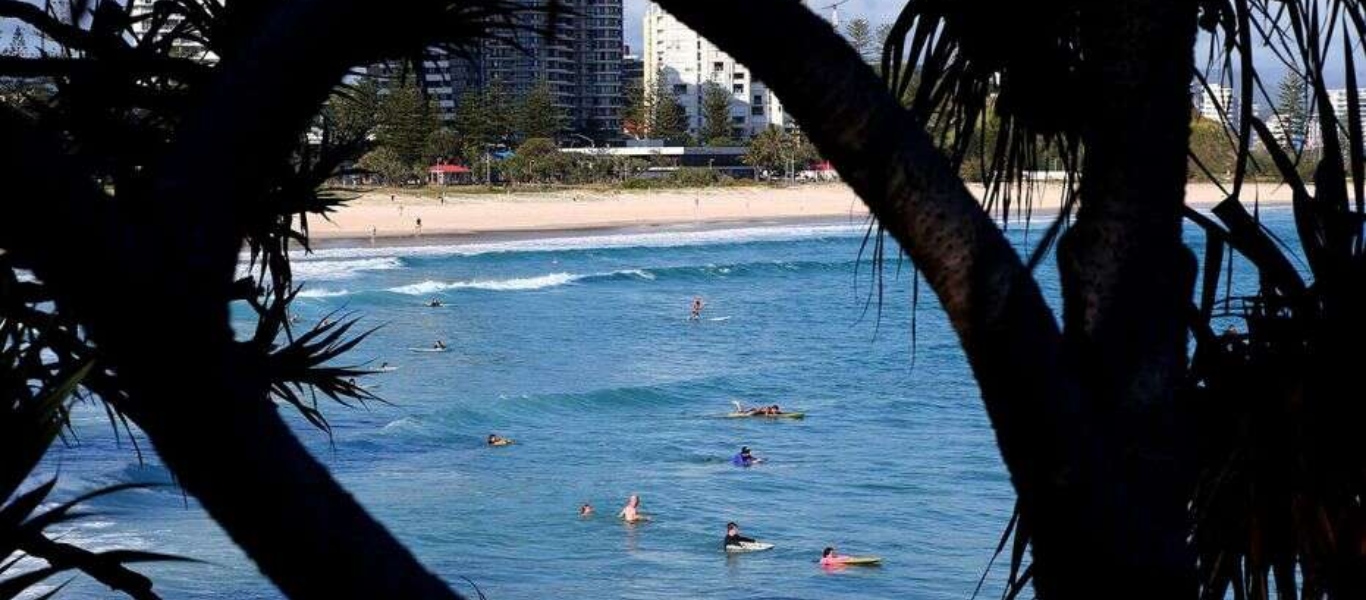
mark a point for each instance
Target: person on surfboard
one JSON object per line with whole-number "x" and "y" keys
{"x": 733, "y": 537}
{"x": 497, "y": 440}
{"x": 697, "y": 305}
{"x": 830, "y": 559}
{"x": 439, "y": 345}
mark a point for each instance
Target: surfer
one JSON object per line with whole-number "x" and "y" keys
{"x": 631, "y": 512}
{"x": 434, "y": 303}
{"x": 744, "y": 458}
{"x": 697, "y": 305}
{"x": 497, "y": 440}
{"x": 830, "y": 559}
{"x": 586, "y": 510}
{"x": 384, "y": 366}
{"x": 439, "y": 345}
{"x": 733, "y": 537}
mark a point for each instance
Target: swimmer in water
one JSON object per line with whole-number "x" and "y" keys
{"x": 631, "y": 512}
{"x": 497, "y": 440}
{"x": 744, "y": 458}
{"x": 586, "y": 510}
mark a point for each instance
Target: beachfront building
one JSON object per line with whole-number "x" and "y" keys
{"x": 581, "y": 64}
{"x": 682, "y": 62}
{"x": 632, "y": 70}
{"x": 142, "y": 30}
{"x": 1340, "y": 101}
{"x": 1213, "y": 100}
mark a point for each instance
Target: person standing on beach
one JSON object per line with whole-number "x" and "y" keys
{"x": 373, "y": 231}
{"x": 419, "y": 228}
{"x": 697, "y": 305}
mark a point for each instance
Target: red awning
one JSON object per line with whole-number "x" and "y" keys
{"x": 448, "y": 169}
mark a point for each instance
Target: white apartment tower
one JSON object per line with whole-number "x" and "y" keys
{"x": 686, "y": 62}
{"x": 1340, "y": 101}
{"x": 1214, "y": 99}
{"x": 182, "y": 48}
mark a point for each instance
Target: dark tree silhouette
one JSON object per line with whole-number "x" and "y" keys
{"x": 1098, "y": 420}
{"x": 1143, "y": 469}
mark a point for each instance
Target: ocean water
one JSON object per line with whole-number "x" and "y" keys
{"x": 580, "y": 349}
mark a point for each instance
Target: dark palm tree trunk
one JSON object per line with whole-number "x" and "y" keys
{"x": 1127, "y": 284}
{"x": 1089, "y": 499}
{"x": 205, "y": 411}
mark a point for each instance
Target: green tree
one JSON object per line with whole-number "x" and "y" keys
{"x": 486, "y": 116}
{"x": 1210, "y": 144}
{"x": 716, "y": 121}
{"x": 443, "y": 143}
{"x": 537, "y": 114}
{"x": 777, "y": 151}
{"x": 860, "y": 36}
{"x": 406, "y": 118}
{"x": 1292, "y": 110}
{"x": 668, "y": 119}
{"x": 635, "y": 113}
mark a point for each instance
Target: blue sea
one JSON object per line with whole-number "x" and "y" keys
{"x": 580, "y": 349}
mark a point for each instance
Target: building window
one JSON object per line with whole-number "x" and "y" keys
{"x": 738, "y": 75}
{"x": 718, "y": 66}
{"x": 757, "y": 111}
{"x": 758, "y": 99}
{"x": 738, "y": 88}
{"x": 680, "y": 88}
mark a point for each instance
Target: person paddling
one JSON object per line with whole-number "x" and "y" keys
{"x": 744, "y": 458}
{"x": 697, "y": 305}
{"x": 733, "y": 537}
{"x": 829, "y": 558}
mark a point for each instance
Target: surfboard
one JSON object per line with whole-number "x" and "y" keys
{"x": 386, "y": 369}
{"x": 749, "y": 547}
{"x": 786, "y": 415}
{"x": 428, "y": 349}
{"x": 861, "y": 561}
{"x": 503, "y": 442}
{"x": 719, "y": 319}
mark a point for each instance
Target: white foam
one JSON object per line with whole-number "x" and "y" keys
{"x": 322, "y": 293}
{"x": 520, "y": 284}
{"x": 663, "y": 239}
{"x": 314, "y": 268}
{"x": 496, "y": 285}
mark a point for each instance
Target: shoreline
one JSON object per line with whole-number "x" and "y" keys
{"x": 565, "y": 213}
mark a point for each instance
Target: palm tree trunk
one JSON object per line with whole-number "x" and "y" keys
{"x": 204, "y": 409}
{"x": 1127, "y": 287}
{"x": 1088, "y": 506}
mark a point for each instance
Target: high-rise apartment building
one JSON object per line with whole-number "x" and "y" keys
{"x": 684, "y": 63}
{"x": 581, "y": 63}
{"x": 1213, "y": 100}
{"x": 142, "y": 28}
{"x": 1340, "y": 101}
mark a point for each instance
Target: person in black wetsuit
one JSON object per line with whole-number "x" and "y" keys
{"x": 733, "y": 537}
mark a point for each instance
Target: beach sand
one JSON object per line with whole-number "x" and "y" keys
{"x": 579, "y": 210}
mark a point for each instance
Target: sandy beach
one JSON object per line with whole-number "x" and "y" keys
{"x": 395, "y": 217}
